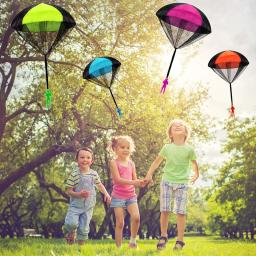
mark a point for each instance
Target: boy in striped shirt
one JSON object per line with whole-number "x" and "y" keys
{"x": 81, "y": 189}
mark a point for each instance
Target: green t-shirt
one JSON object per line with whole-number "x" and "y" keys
{"x": 177, "y": 165}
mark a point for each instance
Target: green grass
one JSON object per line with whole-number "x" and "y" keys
{"x": 195, "y": 246}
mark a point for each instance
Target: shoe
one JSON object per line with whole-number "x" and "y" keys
{"x": 162, "y": 245}
{"x": 70, "y": 237}
{"x": 133, "y": 245}
{"x": 178, "y": 245}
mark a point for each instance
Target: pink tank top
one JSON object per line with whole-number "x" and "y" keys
{"x": 123, "y": 191}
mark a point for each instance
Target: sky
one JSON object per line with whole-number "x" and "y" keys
{"x": 232, "y": 23}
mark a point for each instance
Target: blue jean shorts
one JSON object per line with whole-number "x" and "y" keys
{"x": 122, "y": 203}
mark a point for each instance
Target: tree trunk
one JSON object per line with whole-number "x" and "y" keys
{"x": 111, "y": 229}
{"x": 252, "y": 232}
{"x": 92, "y": 234}
{"x": 247, "y": 235}
{"x": 104, "y": 224}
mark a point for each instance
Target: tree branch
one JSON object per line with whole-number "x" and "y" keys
{"x": 24, "y": 110}
{"x": 19, "y": 60}
{"x": 48, "y": 186}
{"x": 30, "y": 166}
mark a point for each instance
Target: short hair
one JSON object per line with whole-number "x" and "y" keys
{"x": 85, "y": 149}
{"x": 187, "y": 128}
{"x": 114, "y": 141}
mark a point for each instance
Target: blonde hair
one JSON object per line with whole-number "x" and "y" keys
{"x": 114, "y": 142}
{"x": 187, "y": 129}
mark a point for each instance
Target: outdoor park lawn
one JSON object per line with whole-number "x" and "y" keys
{"x": 195, "y": 246}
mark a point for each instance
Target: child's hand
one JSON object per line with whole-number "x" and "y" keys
{"x": 84, "y": 193}
{"x": 193, "y": 179}
{"x": 148, "y": 179}
{"x": 143, "y": 183}
{"x": 137, "y": 182}
{"x": 107, "y": 198}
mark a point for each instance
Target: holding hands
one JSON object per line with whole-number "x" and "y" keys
{"x": 143, "y": 182}
{"x": 148, "y": 179}
{"x": 139, "y": 183}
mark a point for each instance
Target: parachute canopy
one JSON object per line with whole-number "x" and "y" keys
{"x": 102, "y": 71}
{"x": 43, "y": 26}
{"x": 183, "y": 24}
{"x": 229, "y": 65}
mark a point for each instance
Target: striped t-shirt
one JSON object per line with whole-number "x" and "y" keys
{"x": 74, "y": 177}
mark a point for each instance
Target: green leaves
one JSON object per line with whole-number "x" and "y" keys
{"x": 236, "y": 184}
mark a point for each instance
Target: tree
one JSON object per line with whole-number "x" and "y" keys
{"x": 235, "y": 188}
{"x": 82, "y": 113}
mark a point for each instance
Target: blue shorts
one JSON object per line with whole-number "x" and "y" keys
{"x": 122, "y": 203}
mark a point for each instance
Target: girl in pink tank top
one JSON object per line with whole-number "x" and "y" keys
{"x": 123, "y": 191}
{"x": 124, "y": 178}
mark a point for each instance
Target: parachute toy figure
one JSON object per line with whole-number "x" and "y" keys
{"x": 228, "y": 65}
{"x": 102, "y": 71}
{"x": 43, "y": 26}
{"x": 183, "y": 25}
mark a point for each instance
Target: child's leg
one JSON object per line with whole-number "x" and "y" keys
{"x": 164, "y": 219}
{"x": 181, "y": 223}
{"x": 165, "y": 208}
{"x": 119, "y": 215}
{"x": 180, "y": 202}
{"x": 84, "y": 226}
{"x": 166, "y": 194}
{"x": 70, "y": 225}
{"x": 133, "y": 210}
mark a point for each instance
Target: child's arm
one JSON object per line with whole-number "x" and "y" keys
{"x": 196, "y": 171}
{"x": 80, "y": 194}
{"x": 116, "y": 176}
{"x": 134, "y": 173}
{"x": 152, "y": 168}
{"x": 134, "y": 176}
{"x": 102, "y": 189}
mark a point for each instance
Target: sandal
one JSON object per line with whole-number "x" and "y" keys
{"x": 178, "y": 245}
{"x": 162, "y": 245}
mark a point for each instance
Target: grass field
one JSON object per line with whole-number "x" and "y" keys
{"x": 195, "y": 246}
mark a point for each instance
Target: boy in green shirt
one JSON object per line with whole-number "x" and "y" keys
{"x": 174, "y": 185}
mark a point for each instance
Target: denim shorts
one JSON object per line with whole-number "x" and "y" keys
{"x": 122, "y": 203}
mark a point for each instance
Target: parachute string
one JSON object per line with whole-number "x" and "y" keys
{"x": 165, "y": 81}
